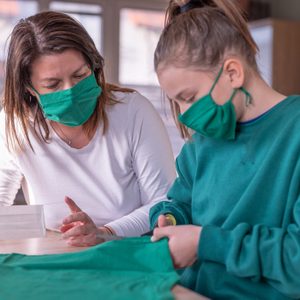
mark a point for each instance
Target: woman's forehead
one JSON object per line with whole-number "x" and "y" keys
{"x": 54, "y": 64}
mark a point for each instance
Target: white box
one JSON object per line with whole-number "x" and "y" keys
{"x": 22, "y": 222}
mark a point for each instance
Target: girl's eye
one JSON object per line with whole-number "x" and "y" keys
{"x": 190, "y": 100}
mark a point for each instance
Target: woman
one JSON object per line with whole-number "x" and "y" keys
{"x": 236, "y": 199}
{"x": 67, "y": 134}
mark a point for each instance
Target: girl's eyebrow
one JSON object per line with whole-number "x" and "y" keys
{"x": 179, "y": 95}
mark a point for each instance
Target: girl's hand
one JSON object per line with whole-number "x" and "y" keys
{"x": 79, "y": 229}
{"x": 163, "y": 221}
{"x": 183, "y": 243}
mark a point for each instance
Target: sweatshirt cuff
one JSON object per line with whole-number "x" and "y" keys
{"x": 116, "y": 228}
{"x": 214, "y": 244}
{"x": 179, "y": 217}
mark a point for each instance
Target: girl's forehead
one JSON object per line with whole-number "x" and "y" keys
{"x": 170, "y": 75}
{"x": 181, "y": 82}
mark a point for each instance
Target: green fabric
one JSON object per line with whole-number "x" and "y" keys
{"x": 210, "y": 119}
{"x": 132, "y": 268}
{"x": 74, "y": 106}
{"x": 246, "y": 195}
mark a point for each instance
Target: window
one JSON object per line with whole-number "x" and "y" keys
{"x": 89, "y": 15}
{"x": 130, "y": 34}
{"x": 139, "y": 34}
{"x": 11, "y": 11}
{"x": 263, "y": 36}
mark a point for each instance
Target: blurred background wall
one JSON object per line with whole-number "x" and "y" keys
{"x": 284, "y": 9}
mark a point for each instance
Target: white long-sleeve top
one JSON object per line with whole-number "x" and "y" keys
{"x": 115, "y": 179}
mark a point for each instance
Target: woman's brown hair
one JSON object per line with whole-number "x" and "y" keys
{"x": 46, "y": 33}
{"x": 198, "y": 34}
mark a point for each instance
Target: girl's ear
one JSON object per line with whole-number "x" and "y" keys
{"x": 234, "y": 69}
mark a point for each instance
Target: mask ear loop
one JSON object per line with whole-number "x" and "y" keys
{"x": 242, "y": 89}
{"x": 216, "y": 80}
{"x": 233, "y": 95}
{"x": 34, "y": 90}
{"x": 248, "y": 96}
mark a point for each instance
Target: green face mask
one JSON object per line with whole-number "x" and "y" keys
{"x": 74, "y": 106}
{"x": 210, "y": 119}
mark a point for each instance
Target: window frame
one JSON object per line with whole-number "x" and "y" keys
{"x": 111, "y": 11}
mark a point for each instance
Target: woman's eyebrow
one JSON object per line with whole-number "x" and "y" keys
{"x": 57, "y": 79}
{"x": 80, "y": 68}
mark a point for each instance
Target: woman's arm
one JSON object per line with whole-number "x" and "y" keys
{"x": 10, "y": 175}
{"x": 152, "y": 161}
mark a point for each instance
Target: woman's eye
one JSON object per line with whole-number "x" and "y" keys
{"x": 52, "y": 87}
{"x": 79, "y": 76}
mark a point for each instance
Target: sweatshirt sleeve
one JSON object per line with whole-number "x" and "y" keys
{"x": 152, "y": 162}
{"x": 10, "y": 175}
{"x": 257, "y": 252}
{"x": 180, "y": 195}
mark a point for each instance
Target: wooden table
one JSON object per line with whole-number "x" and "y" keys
{"x": 53, "y": 243}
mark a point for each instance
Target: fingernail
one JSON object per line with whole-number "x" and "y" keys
{"x": 153, "y": 238}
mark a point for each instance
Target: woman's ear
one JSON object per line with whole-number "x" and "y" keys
{"x": 31, "y": 91}
{"x": 234, "y": 69}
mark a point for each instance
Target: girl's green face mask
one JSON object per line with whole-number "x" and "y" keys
{"x": 210, "y": 119}
{"x": 74, "y": 106}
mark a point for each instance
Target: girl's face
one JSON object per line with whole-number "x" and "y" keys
{"x": 58, "y": 71}
{"x": 185, "y": 86}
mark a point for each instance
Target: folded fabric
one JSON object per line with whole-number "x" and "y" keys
{"x": 132, "y": 268}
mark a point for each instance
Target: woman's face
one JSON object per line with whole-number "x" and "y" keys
{"x": 58, "y": 71}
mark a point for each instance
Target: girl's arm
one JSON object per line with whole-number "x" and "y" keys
{"x": 257, "y": 252}
{"x": 179, "y": 197}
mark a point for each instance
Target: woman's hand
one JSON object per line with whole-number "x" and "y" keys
{"x": 183, "y": 243}
{"x": 79, "y": 229}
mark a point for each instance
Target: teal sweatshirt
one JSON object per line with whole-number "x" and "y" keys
{"x": 245, "y": 194}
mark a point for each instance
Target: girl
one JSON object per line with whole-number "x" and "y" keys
{"x": 238, "y": 177}
{"x": 66, "y": 133}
